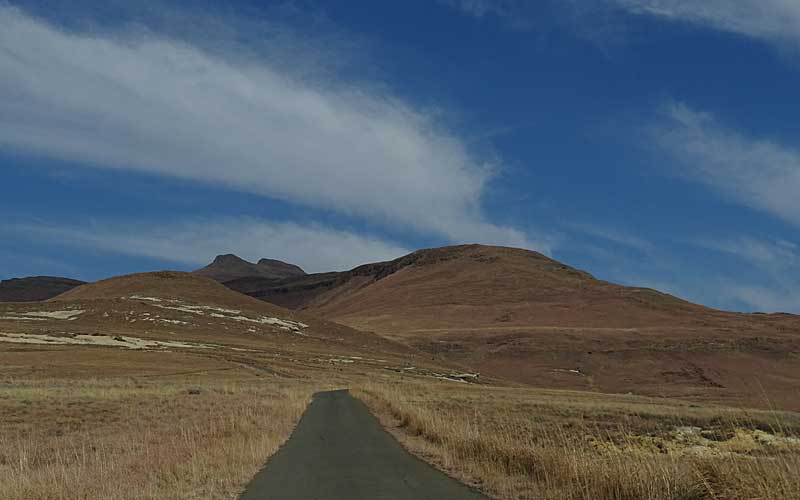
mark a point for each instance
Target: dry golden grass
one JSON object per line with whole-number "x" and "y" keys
{"x": 118, "y": 438}
{"x": 519, "y": 443}
{"x": 142, "y": 430}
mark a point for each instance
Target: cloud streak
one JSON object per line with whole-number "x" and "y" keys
{"x": 615, "y": 235}
{"x": 194, "y": 242}
{"x": 765, "y": 299}
{"x": 772, "y": 20}
{"x": 758, "y": 173}
{"x": 775, "y": 255}
{"x": 777, "y": 262}
{"x": 163, "y": 107}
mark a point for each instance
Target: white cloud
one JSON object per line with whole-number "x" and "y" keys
{"x": 164, "y": 107}
{"x": 757, "y": 173}
{"x": 195, "y": 242}
{"x": 774, "y": 20}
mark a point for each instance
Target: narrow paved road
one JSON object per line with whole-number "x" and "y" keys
{"x": 340, "y": 452}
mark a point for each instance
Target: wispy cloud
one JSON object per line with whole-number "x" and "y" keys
{"x": 758, "y": 173}
{"x": 156, "y": 105}
{"x": 765, "y": 299}
{"x": 775, "y": 261}
{"x": 775, "y": 254}
{"x": 754, "y": 172}
{"x": 615, "y": 235}
{"x": 194, "y": 242}
{"x": 773, "y": 20}
{"x": 763, "y": 274}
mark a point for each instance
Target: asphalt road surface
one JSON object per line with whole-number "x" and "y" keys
{"x": 340, "y": 451}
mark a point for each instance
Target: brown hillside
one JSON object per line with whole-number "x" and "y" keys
{"x": 162, "y": 284}
{"x": 434, "y": 288}
{"x": 170, "y": 306}
{"x": 498, "y": 286}
{"x": 521, "y": 315}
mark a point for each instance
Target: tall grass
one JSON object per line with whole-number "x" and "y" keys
{"x": 517, "y": 444}
{"x": 119, "y": 440}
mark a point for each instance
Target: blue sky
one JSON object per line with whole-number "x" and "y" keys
{"x": 649, "y": 142}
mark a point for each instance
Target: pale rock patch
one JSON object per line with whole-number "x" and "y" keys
{"x": 99, "y": 340}
{"x": 69, "y": 315}
{"x": 223, "y": 313}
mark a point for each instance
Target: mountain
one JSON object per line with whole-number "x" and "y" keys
{"x": 228, "y": 267}
{"x": 35, "y": 288}
{"x": 474, "y": 286}
{"x": 526, "y": 317}
{"x": 431, "y": 288}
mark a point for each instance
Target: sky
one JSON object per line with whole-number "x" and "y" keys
{"x": 653, "y": 143}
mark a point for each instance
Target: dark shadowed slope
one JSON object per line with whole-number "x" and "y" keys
{"x": 340, "y": 452}
{"x": 229, "y": 267}
{"x": 35, "y": 288}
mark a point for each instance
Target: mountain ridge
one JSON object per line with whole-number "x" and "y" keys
{"x": 228, "y": 267}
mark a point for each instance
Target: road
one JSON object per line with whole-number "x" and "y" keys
{"x": 340, "y": 451}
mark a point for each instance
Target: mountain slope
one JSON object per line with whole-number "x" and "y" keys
{"x": 207, "y": 308}
{"x": 35, "y": 288}
{"x": 470, "y": 285}
{"x": 228, "y": 267}
{"x": 524, "y": 316}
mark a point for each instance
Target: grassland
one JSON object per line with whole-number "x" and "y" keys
{"x": 198, "y": 436}
{"x": 91, "y": 423}
{"x": 516, "y": 443}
